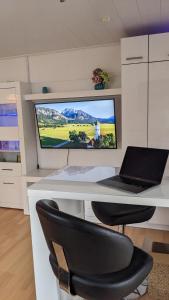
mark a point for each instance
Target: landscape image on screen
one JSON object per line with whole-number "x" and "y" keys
{"x": 82, "y": 124}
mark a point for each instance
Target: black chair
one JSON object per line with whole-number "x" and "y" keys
{"x": 89, "y": 260}
{"x": 122, "y": 214}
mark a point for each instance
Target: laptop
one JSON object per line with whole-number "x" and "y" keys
{"x": 141, "y": 169}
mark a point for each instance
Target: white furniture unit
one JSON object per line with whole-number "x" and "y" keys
{"x": 134, "y": 50}
{"x": 150, "y": 87}
{"x": 63, "y": 192}
{"x": 17, "y": 143}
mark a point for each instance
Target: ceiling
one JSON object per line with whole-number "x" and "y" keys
{"x": 33, "y": 26}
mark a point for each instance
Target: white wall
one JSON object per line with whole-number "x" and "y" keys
{"x": 61, "y": 71}
{"x": 72, "y": 70}
{"x": 14, "y": 69}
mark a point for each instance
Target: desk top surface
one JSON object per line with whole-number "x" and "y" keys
{"x": 81, "y": 183}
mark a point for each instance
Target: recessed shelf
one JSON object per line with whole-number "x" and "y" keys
{"x": 73, "y": 94}
{"x": 8, "y": 115}
{"x": 37, "y": 174}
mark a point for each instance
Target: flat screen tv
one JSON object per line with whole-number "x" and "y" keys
{"x": 87, "y": 124}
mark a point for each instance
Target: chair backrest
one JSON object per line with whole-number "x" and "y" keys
{"x": 89, "y": 249}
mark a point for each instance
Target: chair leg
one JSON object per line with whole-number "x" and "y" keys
{"x": 122, "y": 228}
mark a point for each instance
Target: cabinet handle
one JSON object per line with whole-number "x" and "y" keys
{"x": 8, "y": 183}
{"x": 134, "y": 57}
{"x": 7, "y": 169}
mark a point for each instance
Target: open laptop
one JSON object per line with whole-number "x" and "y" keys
{"x": 141, "y": 169}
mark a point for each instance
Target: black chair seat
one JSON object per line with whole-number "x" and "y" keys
{"x": 112, "y": 286}
{"x": 118, "y": 214}
{"x": 115, "y": 285}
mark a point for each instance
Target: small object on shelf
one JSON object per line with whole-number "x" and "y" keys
{"x": 101, "y": 79}
{"x": 45, "y": 90}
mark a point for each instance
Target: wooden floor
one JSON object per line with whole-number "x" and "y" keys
{"x": 16, "y": 269}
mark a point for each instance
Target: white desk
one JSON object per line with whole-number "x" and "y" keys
{"x": 70, "y": 196}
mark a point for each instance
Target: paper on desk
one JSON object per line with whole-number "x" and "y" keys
{"x": 85, "y": 174}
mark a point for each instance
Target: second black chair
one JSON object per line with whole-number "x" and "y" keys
{"x": 122, "y": 214}
{"x": 91, "y": 261}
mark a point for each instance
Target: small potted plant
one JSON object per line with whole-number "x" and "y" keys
{"x": 100, "y": 79}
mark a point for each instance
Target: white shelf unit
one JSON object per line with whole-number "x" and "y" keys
{"x": 72, "y": 94}
{"x": 14, "y": 162}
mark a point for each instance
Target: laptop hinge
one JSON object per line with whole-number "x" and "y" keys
{"x": 139, "y": 180}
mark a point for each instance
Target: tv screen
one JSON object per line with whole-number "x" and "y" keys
{"x": 88, "y": 124}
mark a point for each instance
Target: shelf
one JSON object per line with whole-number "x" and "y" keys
{"x": 10, "y": 151}
{"x": 9, "y": 133}
{"x": 73, "y": 94}
{"x": 38, "y": 174}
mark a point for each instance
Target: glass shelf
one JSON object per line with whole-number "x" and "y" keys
{"x": 7, "y": 156}
{"x": 9, "y": 146}
{"x": 8, "y": 115}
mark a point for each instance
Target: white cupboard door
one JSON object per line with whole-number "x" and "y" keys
{"x": 134, "y": 104}
{"x": 134, "y": 49}
{"x": 10, "y": 188}
{"x": 158, "y": 131}
{"x": 159, "y": 47}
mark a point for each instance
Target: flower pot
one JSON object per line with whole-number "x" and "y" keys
{"x": 99, "y": 86}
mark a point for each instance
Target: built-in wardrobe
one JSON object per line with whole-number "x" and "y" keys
{"x": 145, "y": 92}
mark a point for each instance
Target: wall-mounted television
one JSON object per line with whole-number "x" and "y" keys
{"x": 87, "y": 124}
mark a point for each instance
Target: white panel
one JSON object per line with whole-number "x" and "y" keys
{"x": 129, "y": 14}
{"x": 113, "y": 27}
{"x": 149, "y": 11}
{"x": 14, "y": 69}
{"x": 165, "y": 12}
{"x": 159, "y": 47}
{"x": 38, "y": 26}
{"x": 9, "y": 133}
{"x": 159, "y": 105}
{"x": 134, "y": 49}
{"x": 96, "y": 157}
{"x": 74, "y": 65}
{"x": 134, "y": 107}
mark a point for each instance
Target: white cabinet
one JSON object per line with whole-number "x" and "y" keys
{"x": 10, "y": 169}
{"x": 10, "y": 188}
{"x": 134, "y": 104}
{"x": 134, "y": 49}
{"x": 158, "y": 129}
{"x": 159, "y": 47}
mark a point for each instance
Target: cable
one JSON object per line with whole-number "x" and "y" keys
{"x": 67, "y": 163}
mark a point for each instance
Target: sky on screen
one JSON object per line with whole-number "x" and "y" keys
{"x": 97, "y": 108}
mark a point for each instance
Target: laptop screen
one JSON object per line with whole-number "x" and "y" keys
{"x": 145, "y": 164}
